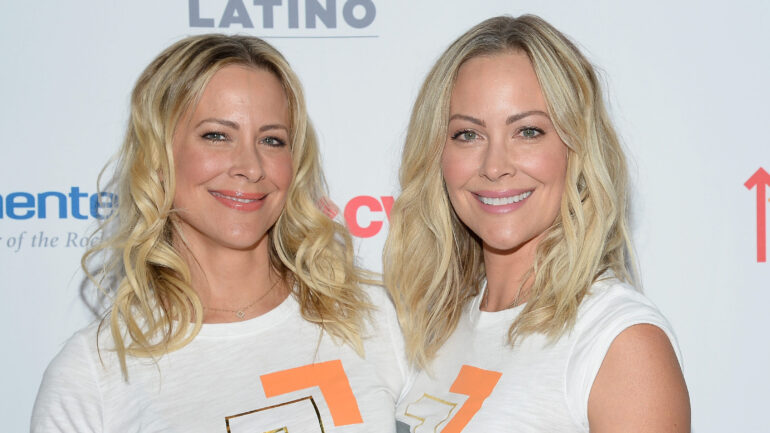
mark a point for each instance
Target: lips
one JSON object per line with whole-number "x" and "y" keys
{"x": 239, "y": 200}
{"x": 502, "y": 201}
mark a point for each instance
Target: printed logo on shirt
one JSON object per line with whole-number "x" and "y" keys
{"x": 296, "y": 415}
{"x": 432, "y": 413}
{"x": 301, "y": 415}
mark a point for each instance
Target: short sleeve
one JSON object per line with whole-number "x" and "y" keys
{"x": 69, "y": 400}
{"x": 609, "y": 310}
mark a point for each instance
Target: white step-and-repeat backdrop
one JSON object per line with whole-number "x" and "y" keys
{"x": 687, "y": 83}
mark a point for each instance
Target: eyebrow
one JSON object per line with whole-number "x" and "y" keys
{"x": 517, "y": 117}
{"x": 511, "y": 119}
{"x": 273, "y": 126}
{"x": 468, "y": 118}
{"x": 224, "y": 122}
{"x": 235, "y": 125}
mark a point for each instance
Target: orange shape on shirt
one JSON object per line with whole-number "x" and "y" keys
{"x": 330, "y": 377}
{"x": 477, "y": 384}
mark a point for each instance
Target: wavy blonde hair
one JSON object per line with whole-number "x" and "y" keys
{"x": 433, "y": 264}
{"x": 154, "y": 308}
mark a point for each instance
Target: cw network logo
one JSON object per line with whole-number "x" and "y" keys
{"x": 760, "y": 180}
{"x": 363, "y": 214}
{"x": 275, "y": 15}
{"x": 20, "y": 205}
{"x": 361, "y": 227}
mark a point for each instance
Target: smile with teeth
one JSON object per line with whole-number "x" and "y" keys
{"x": 501, "y": 201}
{"x": 238, "y": 199}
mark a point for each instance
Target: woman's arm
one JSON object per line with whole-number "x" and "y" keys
{"x": 639, "y": 386}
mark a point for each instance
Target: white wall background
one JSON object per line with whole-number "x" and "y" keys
{"x": 687, "y": 85}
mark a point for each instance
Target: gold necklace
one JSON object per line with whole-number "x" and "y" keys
{"x": 513, "y": 304}
{"x": 241, "y": 312}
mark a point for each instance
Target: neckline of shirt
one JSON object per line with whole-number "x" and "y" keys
{"x": 484, "y": 319}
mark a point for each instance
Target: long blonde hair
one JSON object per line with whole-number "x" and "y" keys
{"x": 154, "y": 309}
{"x": 433, "y": 265}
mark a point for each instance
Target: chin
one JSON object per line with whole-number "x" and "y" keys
{"x": 243, "y": 241}
{"x": 502, "y": 247}
{"x": 506, "y": 244}
{"x": 241, "y": 245}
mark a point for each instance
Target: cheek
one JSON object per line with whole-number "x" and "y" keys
{"x": 282, "y": 168}
{"x": 549, "y": 168}
{"x": 195, "y": 167}
{"x": 456, "y": 168}
{"x": 552, "y": 172}
{"x": 558, "y": 166}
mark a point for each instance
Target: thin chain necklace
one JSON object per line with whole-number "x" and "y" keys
{"x": 241, "y": 312}
{"x": 513, "y": 304}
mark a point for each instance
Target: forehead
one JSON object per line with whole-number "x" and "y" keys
{"x": 236, "y": 87}
{"x": 243, "y": 78}
{"x": 506, "y": 76}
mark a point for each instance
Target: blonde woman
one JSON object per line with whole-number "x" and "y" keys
{"x": 508, "y": 253}
{"x": 237, "y": 307}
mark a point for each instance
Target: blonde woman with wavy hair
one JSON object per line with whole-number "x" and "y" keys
{"x": 235, "y": 302}
{"x": 509, "y": 253}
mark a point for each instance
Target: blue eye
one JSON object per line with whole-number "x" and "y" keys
{"x": 215, "y": 136}
{"x": 465, "y": 135}
{"x": 273, "y": 142}
{"x": 530, "y": 132}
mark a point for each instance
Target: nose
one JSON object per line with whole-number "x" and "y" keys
{"x": 247, "y": 163}
{"x": 497, "y": 160}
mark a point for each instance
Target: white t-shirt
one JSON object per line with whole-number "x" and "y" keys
{"x": 273, "y": 373}
{"x": 481, "y": 384}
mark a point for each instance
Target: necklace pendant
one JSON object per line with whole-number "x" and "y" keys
{"x": 240, "y": 314}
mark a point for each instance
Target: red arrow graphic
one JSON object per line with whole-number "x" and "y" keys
{"x": 760, "y": 179}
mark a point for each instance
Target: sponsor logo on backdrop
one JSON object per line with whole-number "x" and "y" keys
{"x": 21, "y": 205}
{"x": 365, "y": 215}
{"x": 293, "y": 18}
{"x": 72, "y": 204}
{"x": 760, "y": 180}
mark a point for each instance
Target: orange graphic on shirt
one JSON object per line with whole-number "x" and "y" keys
{"x": 330, "y": 377}
{"x": 432, "y": 411}
{"x": 477, "y": 384}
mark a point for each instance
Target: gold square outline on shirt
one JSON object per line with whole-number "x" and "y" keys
{"x": 422, "y": 420}
{"x": 282, "y": 429}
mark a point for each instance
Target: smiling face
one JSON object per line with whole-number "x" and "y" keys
{"x": 503, "y": 163}
{"x": 233, "y": 160}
